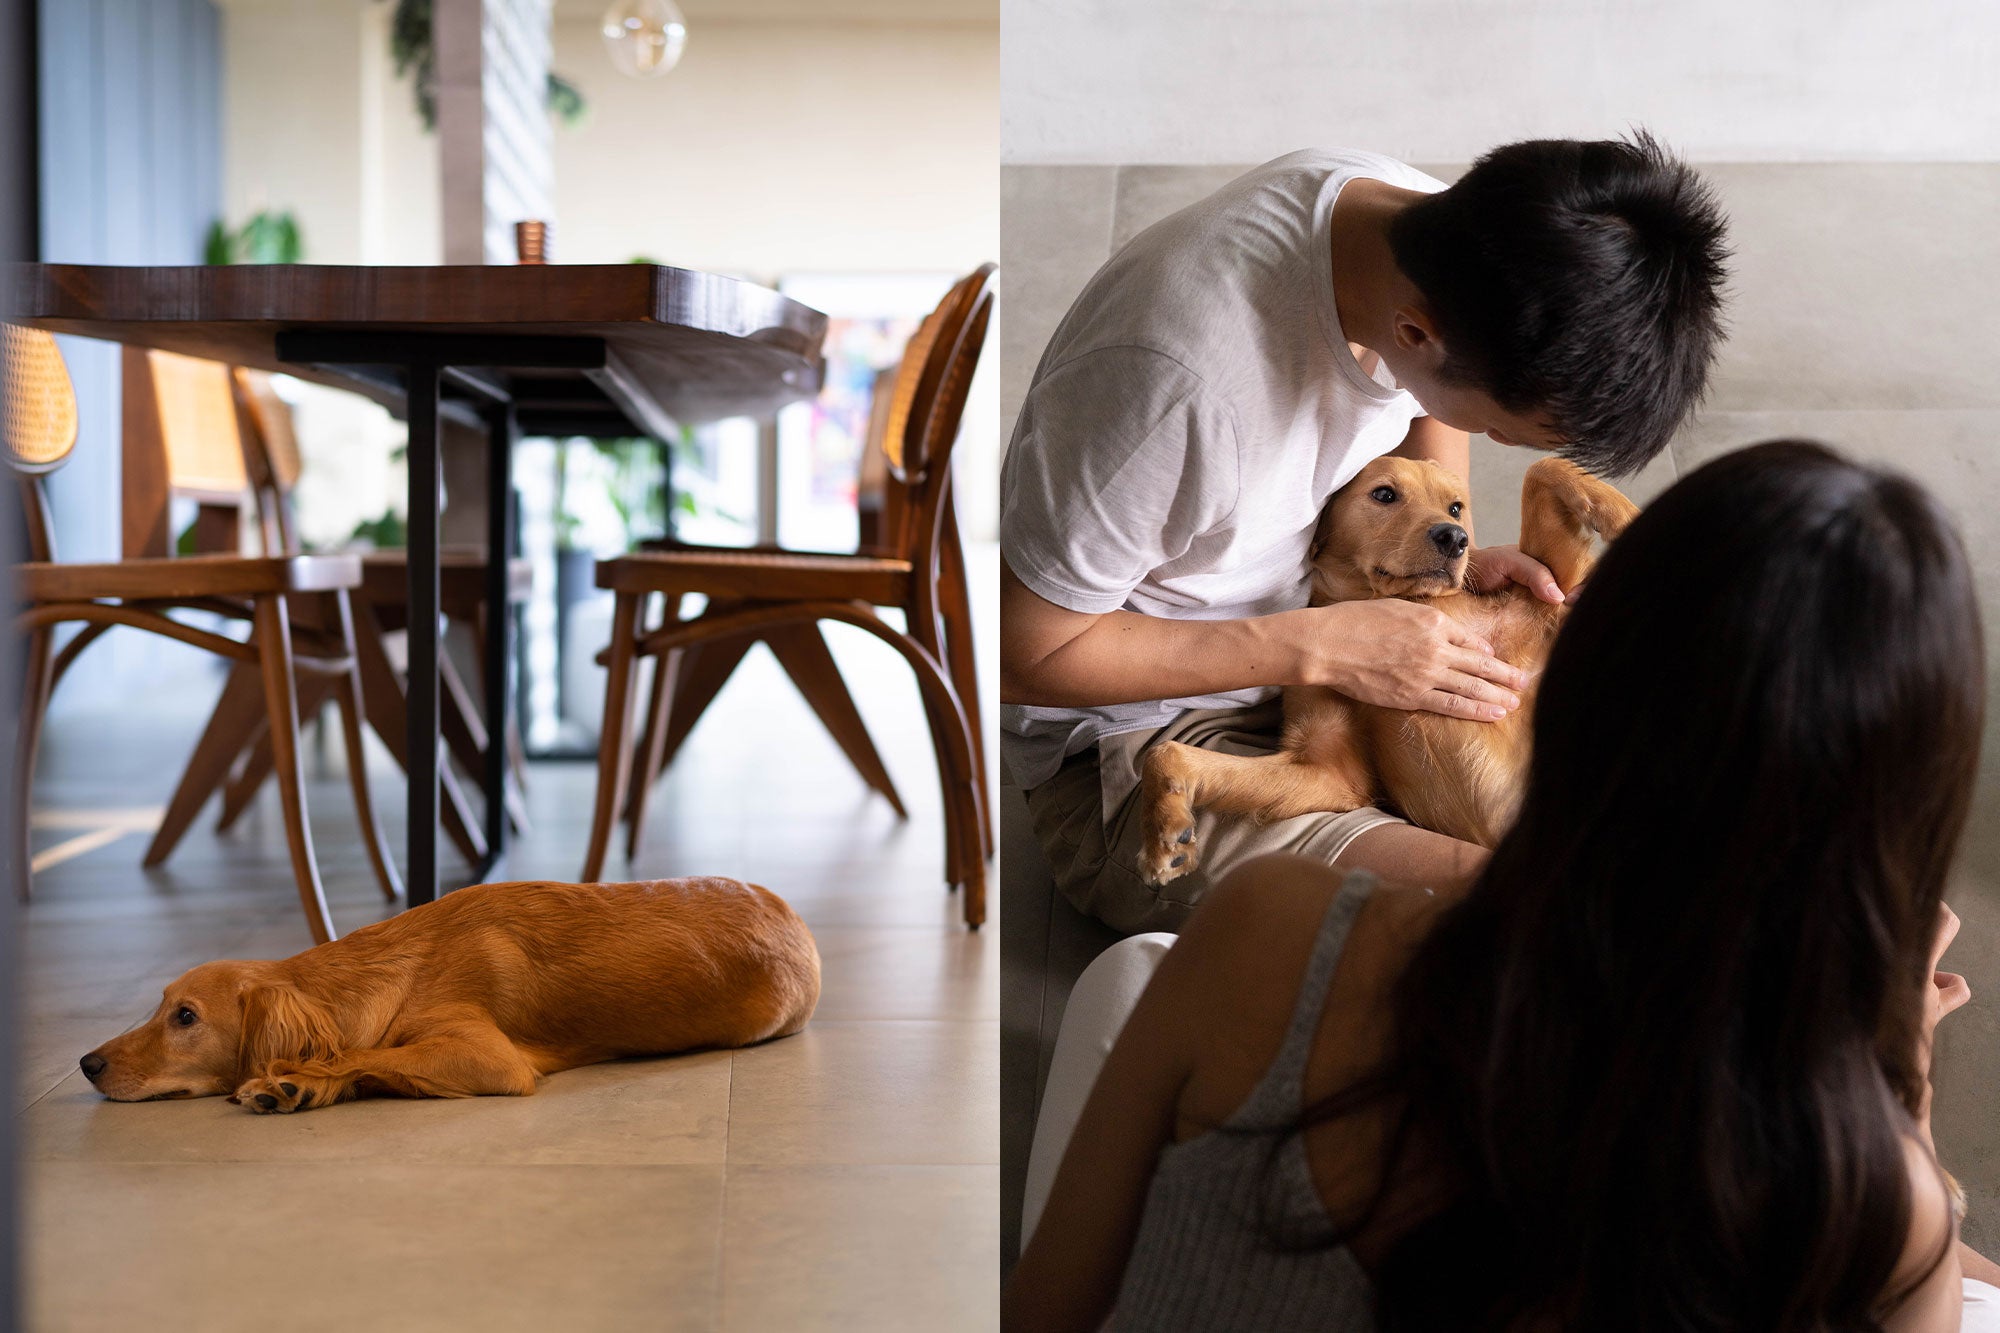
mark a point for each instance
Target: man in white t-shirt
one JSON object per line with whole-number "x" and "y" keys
{"x": 1234, "y": 365}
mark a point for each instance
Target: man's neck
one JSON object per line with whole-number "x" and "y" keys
{"x": 1367, "y": 284}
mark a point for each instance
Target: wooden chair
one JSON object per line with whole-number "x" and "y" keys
{"x": 139, "y": 592}
{"x": 270, "y": 454}
{"x": 684, "y": 683}
{"x": 918, "y": 568}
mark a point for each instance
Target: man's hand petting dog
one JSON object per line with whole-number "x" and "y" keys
{"x": 1490, "y": 568}
{"x": 1402, "y": 654}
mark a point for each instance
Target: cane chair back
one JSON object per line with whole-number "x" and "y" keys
{"x": 39, "y": 402}
{"x": 179, "y": 437}
{"x": 198, "y": 428}
{"x": 925, "y": 412}
{"x": 270, "y": 456}
{"x": 38, "y": 420}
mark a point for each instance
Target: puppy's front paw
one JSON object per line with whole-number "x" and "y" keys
{"x": 280, "y": 1092}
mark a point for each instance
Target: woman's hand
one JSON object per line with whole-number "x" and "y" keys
{"x": 1489, "y": 567}
{"x": 1407, "y": 655}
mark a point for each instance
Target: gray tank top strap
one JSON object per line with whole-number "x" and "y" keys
{"x": 1281, "y": 1092}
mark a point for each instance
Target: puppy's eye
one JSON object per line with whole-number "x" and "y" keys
{"x": 1383, "y": 495}
{"x": 1456, "y": 509}
{"x": 185, "y": 1016}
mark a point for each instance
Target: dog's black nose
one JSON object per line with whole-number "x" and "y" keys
{"x": 92, "y": 1065}
{"x": 1450, "y": 539}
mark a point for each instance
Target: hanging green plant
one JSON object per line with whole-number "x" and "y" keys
{"x": 412, "y": 47}
{"x": 267, "y": 238}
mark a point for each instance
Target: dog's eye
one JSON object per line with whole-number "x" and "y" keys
{"x": 1456, "y": 509}
{"x": 1383, "y": 495}
{"x": 185, "y": 1016}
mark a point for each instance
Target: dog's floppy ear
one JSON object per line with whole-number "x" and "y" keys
{"x": 1322, "y": 534}
{"x": 280, "y": 1023}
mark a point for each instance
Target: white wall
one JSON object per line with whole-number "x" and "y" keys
{"x": 1186, "y": 81}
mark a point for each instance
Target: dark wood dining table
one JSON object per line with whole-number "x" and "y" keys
{"x": 604, "y": 350}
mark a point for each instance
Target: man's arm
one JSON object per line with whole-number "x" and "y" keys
{"x": 1390, "y": 652}
{"x": 1432, "y": 439}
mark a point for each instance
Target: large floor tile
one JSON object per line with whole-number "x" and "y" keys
{"x": 668, "y": 1111}
{"x": 891, "y": 972}
{"x": 871, "y": 1092}
{"x": 871, "y": 1249}
{"x": 217, "y": 1248}
{"x": 48, "y": 1052}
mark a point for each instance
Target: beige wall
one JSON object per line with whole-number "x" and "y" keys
{"x": 788, "y": 145}
{"x": 792, "y": 145}
{"x": 315, "y": 120}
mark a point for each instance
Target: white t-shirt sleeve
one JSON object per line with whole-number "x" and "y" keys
{"x": 1121, "y": 459}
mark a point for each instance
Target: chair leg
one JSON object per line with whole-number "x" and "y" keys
{"x": 955, "y": 601}
{"x": 614, "y": 742}
{"x": 274, "y": 652}
{"x": 465, "y": 736}
{"x": 646, "y": 763}
{"x": 802, "y": 651}
{"x": 249, "y": 776}
{"x": 239, "y": 712}
{"x": 517, "y": 753}
{"x": 464, "y": 731}
{"x": 37, "y": 680}
{"x": 386, "y": 706}
{"x": 704, "y": 669}
{"x": 965, "y": 866}
{"x": 347, "y": 693}
{"x": 257, "y": 764}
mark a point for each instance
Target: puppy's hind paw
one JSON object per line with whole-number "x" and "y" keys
{"x": 1171, "y": 850}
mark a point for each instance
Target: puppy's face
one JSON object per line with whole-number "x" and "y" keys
{"x": 1396, "y": 530}
{"x": 188, "y": 1048}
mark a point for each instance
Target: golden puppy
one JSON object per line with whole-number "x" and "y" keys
{"x": 480, "y": 993}
{"x": 1396, "y": 530}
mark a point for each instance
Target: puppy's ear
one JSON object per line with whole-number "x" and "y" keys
{"x": 280, "y": 1023}
{"x": 1321, "y": 535}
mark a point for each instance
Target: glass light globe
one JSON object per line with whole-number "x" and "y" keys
{"x": 644, "y": 37}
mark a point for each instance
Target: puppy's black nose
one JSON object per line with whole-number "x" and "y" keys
{"x": 1450, "y": 539}
{"x": 92, "y": 1066}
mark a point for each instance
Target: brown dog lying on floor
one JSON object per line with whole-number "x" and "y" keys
{"x": 1395, "y": 531}
{"x": 480, "y": 993}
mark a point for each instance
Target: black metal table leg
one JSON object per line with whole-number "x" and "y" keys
{"x": 426, "y": 490}
{"x": 497, "y": 649}
{"x": 425, "y": 367}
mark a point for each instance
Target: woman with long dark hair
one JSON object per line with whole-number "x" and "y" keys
{"x": 1665, "y": 1064}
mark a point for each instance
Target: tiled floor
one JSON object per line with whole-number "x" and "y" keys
{"x": 843, "y": 1178}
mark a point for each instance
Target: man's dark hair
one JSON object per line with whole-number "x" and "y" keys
{"x": 1580, "y": 281}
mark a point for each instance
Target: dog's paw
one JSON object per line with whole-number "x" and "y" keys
{"x": 1170, "y": 849}
{"x": 278, "y": 1093}
{"x": 1168, "y": 846}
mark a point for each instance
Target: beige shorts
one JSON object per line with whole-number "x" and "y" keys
{"x": 1088, "y": 821}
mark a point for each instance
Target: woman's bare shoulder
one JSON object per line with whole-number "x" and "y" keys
{"x": 1244, "y": 955}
